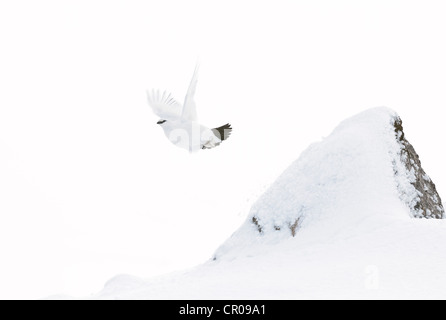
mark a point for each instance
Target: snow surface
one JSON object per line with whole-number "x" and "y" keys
{"x": 353, "y": 232}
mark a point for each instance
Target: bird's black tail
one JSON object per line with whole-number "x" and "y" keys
{"x": 223, "y": 132}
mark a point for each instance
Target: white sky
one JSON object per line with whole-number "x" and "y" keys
{"x": 89, "y": 185}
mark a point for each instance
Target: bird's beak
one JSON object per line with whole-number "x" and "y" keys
{"x": 161, "y": 121}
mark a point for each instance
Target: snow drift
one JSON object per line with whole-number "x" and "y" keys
{"x": 366, "y": 169}
{"x": 338, "y": 223}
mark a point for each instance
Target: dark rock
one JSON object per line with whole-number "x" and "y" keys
{"x": 294, "y": 227}
{"x": 257, "y": 224}
{"x": 428, "y": 203}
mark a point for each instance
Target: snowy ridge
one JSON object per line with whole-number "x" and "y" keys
{"x": 354, "y": 174}
{"x": 338, "y": 223}
{"x": 336, "y": 170}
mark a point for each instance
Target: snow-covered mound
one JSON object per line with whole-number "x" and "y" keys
{"x": 365, "y": 170}
{"x": 338, "y": 223}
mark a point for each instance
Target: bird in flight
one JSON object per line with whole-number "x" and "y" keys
{"x": 180, "y": 122}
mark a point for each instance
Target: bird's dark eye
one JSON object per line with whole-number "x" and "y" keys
{"x": 161, "y": 121}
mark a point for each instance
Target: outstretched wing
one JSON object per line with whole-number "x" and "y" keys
{"x": 189, "y": 108}
{"x": 163, "y": 105}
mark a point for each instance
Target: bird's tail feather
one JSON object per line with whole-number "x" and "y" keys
{"x": 223, "y": 132}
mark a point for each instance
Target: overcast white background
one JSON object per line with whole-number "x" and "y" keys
{"x": 90, "y": 187}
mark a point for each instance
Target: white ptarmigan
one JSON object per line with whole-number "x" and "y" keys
{"x": 180, "y": 123}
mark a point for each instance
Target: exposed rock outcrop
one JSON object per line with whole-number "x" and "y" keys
{"x": 427, "y": 204}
